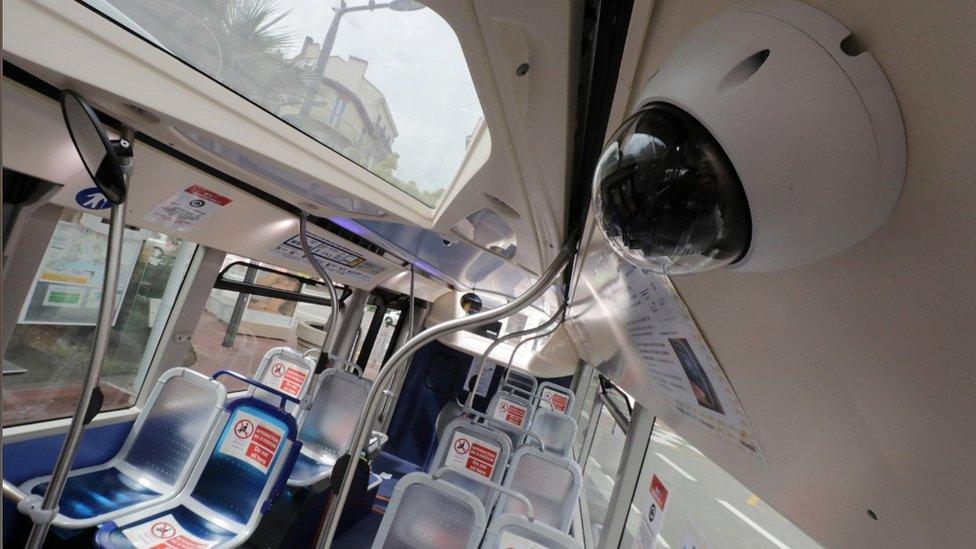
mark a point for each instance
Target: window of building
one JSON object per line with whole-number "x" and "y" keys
{"x": 338, "y": 111}
{"x": 398, "y": 63}
{"x": 46, "y": 359}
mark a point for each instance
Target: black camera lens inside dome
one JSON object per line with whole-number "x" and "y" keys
{"x": 667, "y": 197}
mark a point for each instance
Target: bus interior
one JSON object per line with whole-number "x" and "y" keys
{"x": 488, "y": 274}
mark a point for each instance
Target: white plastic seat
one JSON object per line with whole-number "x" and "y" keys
{"x": 469, "y": 446}
{"x": 285, "y": 370}
{"x": 556, "y": 397}
{"x": 552, "y": 483}
{"x": 156, "y": 459}
{"x": 327, "y": 429}
{"x": 222, "y": 504}
{"x": 514, "y": 411}
{"x": 513, "y": 530}
{"x": 425, "y": 513}
{"x": 556, "y": 430}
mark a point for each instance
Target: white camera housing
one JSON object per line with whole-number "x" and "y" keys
{"x": 814, "y": 133}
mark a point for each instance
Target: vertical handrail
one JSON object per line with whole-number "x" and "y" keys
{"x": 83, "y": 414}
{"x": 484, "y": 356}
{"x": 396, "y": 361}
{"x": 328, "y": 344}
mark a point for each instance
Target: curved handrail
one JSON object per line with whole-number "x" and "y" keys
{"x": 396, "y": 361}
{"x": 506, "y": 337}
{"x": 258, "y": 384}
{"x": 328, "y": 344}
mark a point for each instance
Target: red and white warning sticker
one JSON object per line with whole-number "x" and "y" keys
{"x": 287, "y": 378}
{"x": 164, "y": 533}
{"x": 511, "y": 540}
{"x": 510, "y": 412}
{"x": 473, "y": 454}
{"x": 252, "y": 440}
{"x": 554, "y": 400}
{"x": 187, "y": 208}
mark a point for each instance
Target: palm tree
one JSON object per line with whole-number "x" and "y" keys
{"x": 241, "y": 43}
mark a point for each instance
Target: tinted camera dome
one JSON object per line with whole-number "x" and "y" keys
{"x": 666, "y": 196}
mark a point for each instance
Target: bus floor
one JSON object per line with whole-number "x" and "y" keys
{"x": 299, "y": 512}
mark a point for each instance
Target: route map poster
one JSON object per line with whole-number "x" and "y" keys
{"x": 67, "y": 288}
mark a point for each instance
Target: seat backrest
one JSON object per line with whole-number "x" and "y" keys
{"x": 251, "y": 458}
{"x": 424, "y": 512}
{"x": 174, "y": 425}
{"x": 512, "y": 530}
{"x": 285, "y": 370}
{"x": 556, "y": 397}
{"x": 513, "y": 410}
{"x": 522, "y": 380}
{"x": 556, "y": 430}
{"x": 552, "y": 483}
{"x": 477, "y": 448}
{"x": 328, "y": 427}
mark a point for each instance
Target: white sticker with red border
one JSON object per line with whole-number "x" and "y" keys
{"x": 187, "y": 208}
{"x": 510, "y": 412}
{"x": 554, "y": 400}
{"x": 472, "y": 453}
{"x": 164, "y": 533}
{"x": 285, "y": 377}
{"x": 650, "y": 525}
{"x": 252, "y": 440}
{"x": 511, "y": 540}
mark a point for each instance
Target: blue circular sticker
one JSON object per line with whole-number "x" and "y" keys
{"x": 92, "y": 199}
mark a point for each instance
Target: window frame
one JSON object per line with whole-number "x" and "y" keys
{"x": 148, "y": 371}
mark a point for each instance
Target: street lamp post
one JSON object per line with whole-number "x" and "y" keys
{"x": 330, "y": 35}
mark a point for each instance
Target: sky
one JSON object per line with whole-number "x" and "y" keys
{"x": 415, "y": 60}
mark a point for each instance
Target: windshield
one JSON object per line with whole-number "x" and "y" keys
{"x": 384, "y": 84}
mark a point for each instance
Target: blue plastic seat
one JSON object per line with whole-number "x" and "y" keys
{"x": 250, "y": 458}
{"x": 156, "y": 459}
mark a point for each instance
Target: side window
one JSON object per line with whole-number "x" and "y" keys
{"x": 236, "y": 329}
{"x": 604, "y": 449}
{"x": 46, "y": 358}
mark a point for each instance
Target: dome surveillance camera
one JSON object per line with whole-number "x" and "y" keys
{"x": 758, "y": 145}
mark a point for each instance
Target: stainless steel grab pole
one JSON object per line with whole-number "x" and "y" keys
{"x": 328, "y": 344}
{"x": 103, "y": 330}
{"x": 396, "y": 361}
{"x": 506, "y": 337}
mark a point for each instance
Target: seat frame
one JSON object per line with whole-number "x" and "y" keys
{"x": 273, "y": 484}
{"x": 377, "y": 440}
{"x": 555, "y": 459}
{"x": 167, "y": 492}
{"x": 480, "y": 516}
{"x": 493, "y": 533}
